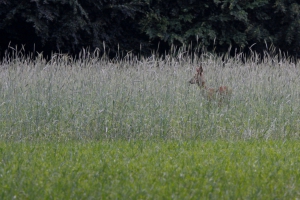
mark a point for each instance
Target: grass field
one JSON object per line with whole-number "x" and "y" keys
{"x": 134, "y": 128}
{"x": 150, "y": 170}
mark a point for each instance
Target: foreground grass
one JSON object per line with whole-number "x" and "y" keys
{"x": 150, "y": 170}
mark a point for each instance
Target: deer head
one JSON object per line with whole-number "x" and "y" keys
{"x": 198, "y": 78}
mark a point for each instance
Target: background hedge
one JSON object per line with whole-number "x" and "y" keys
{"x": 140, "y": 25}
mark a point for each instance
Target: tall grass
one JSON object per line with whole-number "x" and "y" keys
{"x": 92, "y": 97}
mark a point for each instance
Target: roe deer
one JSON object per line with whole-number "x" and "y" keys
{"x": 221, "y": 94}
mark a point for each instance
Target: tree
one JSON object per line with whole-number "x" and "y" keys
{"x": 69, "y": 25}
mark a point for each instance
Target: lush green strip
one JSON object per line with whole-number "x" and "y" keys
{"x": 150, "y": 170}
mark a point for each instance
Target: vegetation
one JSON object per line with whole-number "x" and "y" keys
{"x": 134, "y": 128}
{"x": 150, "y": 170}
{"x": 96, "y": 98}
{"x": 141, "y": 26}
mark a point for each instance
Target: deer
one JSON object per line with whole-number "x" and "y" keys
{"x": 221, "y": 94}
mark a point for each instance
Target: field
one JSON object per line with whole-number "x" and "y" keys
{"x": 134, "y": 128}
{"x": 150, "y": 170}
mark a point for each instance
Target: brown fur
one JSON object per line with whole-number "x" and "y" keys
{"x": 221, "y": 94}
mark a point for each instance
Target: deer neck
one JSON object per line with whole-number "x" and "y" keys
{"x": 202, "y": 85}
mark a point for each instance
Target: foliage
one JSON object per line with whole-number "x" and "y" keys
{"x": 139, "y": 25}
{"x": 285, "y": 25}
{"x": 214, "y": 23}
{"x": 55, "y": 22}
{"x": 69, "y": 25}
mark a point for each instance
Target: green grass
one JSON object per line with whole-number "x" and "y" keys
{"x": 150, "y": 170}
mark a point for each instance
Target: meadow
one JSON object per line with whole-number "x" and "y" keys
{"x": 133, "y": 128}
{"x": 150, "y": 170}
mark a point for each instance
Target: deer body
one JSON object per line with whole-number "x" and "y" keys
{"x": 221, "y": 94}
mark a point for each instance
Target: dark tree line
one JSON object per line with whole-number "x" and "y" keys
{"x": 140, "y": 25}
